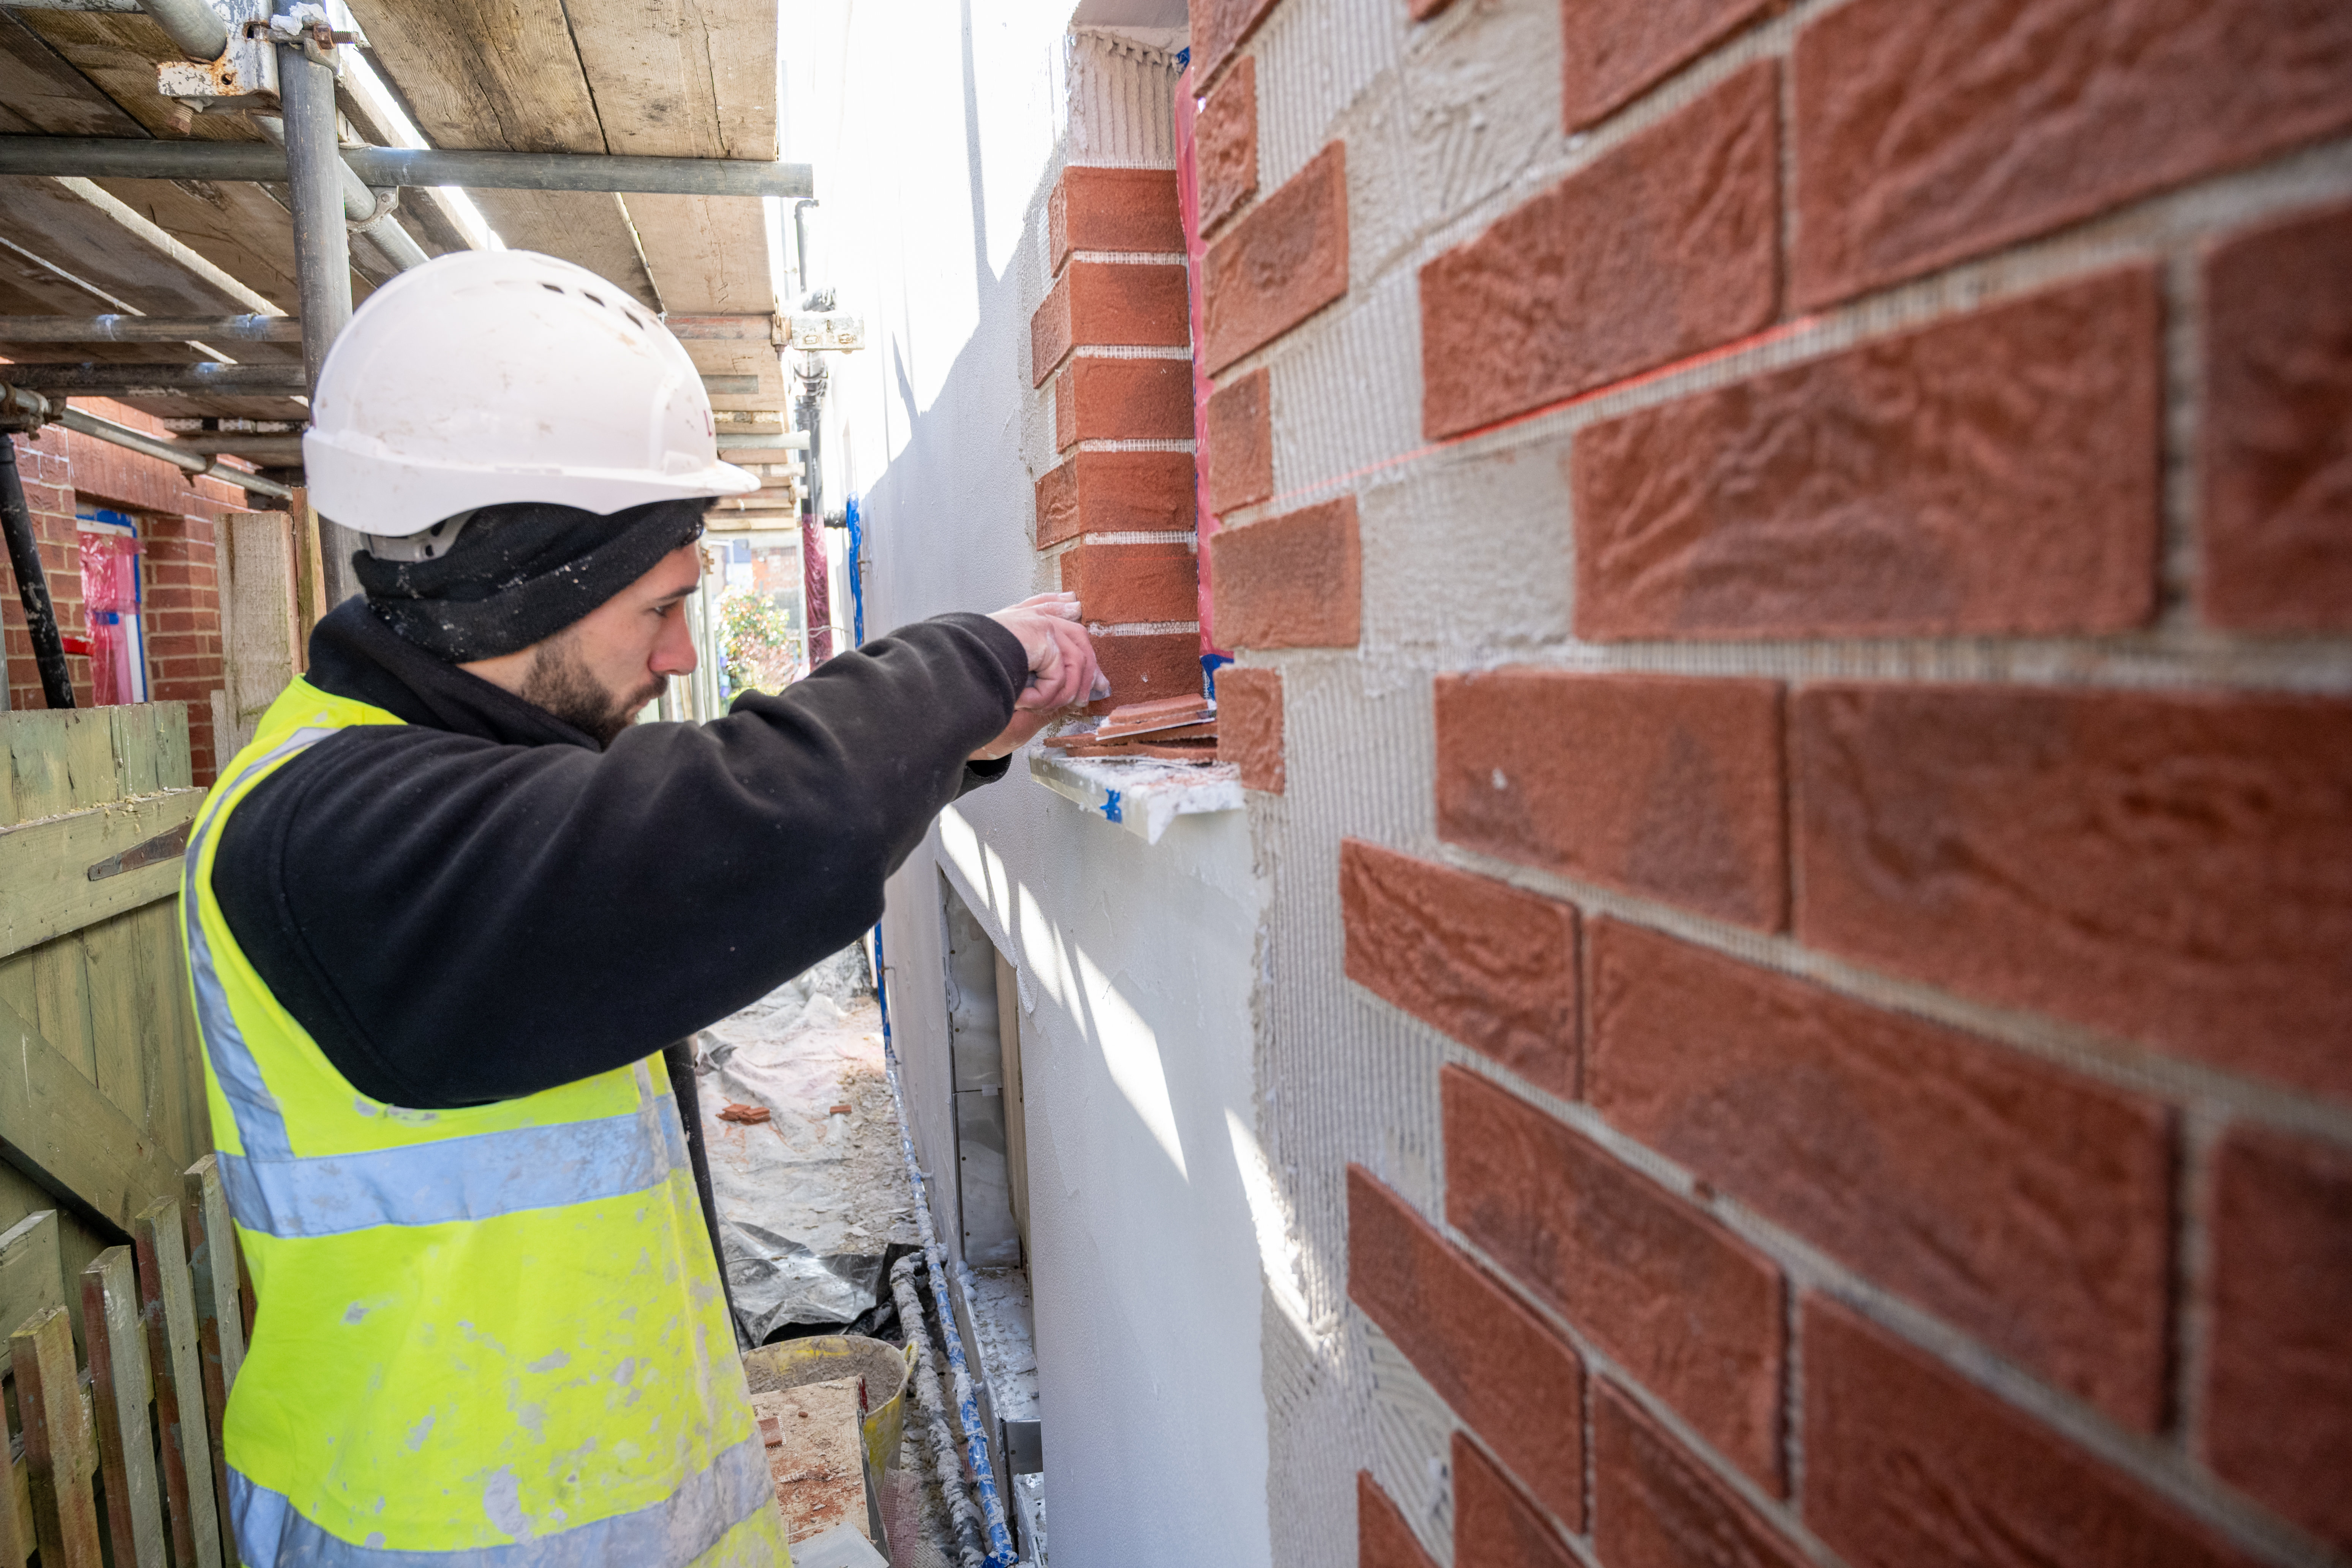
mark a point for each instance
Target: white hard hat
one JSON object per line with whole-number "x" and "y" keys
{"x": 485, "y": 377}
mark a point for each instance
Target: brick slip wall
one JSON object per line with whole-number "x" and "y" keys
{"x": 176, "y": 516}
{"x": 1110, "y": 346}
{"x": 1798, "y": 555}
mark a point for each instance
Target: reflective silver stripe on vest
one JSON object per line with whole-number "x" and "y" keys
{"x": 260, "y": 1125}
{"x": 665, "y": 1534}
{"x": 479, "y": 1177}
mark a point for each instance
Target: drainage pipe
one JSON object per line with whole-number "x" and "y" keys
{"x": 194, "y": 28}
{"x": 975, "y": 1441}
{"x": 111, "y": 157}
{"x": 32, "y": 583}
{"x": 932, "y": 1436}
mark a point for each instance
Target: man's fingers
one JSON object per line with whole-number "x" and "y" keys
{"x": 1078, "y": 662}
{"x": 1045, "y": 666}
{"x": 1063, "y": 605}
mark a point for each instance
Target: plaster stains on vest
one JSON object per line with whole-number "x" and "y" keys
{"x": 485, "y": 1336}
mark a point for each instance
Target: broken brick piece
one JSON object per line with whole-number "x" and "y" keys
{"x": 749, "y": 1115}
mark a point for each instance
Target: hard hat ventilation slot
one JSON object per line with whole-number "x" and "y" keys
{"x": 553, "y": 287}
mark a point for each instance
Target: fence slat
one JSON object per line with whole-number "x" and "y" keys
{"x": 167, "y": 1304}
{"x": 119, "y": 1379}
{"x": 59, "y": 1458}
{"x": 220, "y": 1316}
{"x": 32, "y": 1273}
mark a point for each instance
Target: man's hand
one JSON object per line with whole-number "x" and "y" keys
{"x": 1062, "y": 667}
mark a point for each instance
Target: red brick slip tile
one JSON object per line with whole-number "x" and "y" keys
{"x": 2026, "y": 1206}
{"x": 1116, "y": 492}
{"x": 2278, "y": 427}
{"x": 1995, "y": 474}
{"x": 1225, "y": 136}
{"x": 1908, "y": 1466}
{"x": 1501, "y": 1369}
{"x": 1292, "y": 580}
{"x": 1241, "y": 443}
{"x": 1928, "y": 133}
{"x": 1494, "y": 1525}
{"x": 1383, "y": 1538}
{"x": 1491, "y": 965}
{"x": 1219, "y": 28}
{"x": 2172, "y": 868}
{"x": 1097, "y": 399}
{"x": 1249, "y": 725}
{"x": 1687, "y": 1309}
{"x": 1127, "y": 583}
{"x": 2278, "y": 1392}
{"x": 1113, "y": 209}
{"x": 1109, "y": 304}
{"x": 1614, "y": 50}
{"x": 1142, "y": 667}
{"x": 1664, "y": 786}
{"x": 1655, "y": 1505}
{"x": 1279, "y": 264}
{"x": 1664, "y": 246}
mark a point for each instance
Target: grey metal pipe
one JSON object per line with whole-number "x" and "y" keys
{"x": 314, "y": 175}
{"x": 277, "y": 452}
{"x": 200, "y": 380}
{"x": 194, "y": 28}
{"x": 363, "y": 207}
{"x": 150, "y": 329}
{"x": 103, "y": 157}
{"x": 171, "y": 452}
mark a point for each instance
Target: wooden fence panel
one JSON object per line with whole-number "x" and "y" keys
{"x": 122, "y": 1389}
{"x": 220, "y": 1319}
{"x": 59, "y": 1458}
{"x": 167, "y": 1303}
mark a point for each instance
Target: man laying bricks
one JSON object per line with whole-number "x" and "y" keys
{"x": 445, "y": 911}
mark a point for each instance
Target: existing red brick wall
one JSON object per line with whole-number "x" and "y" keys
{"x": 1805, "y": 554}
{"x": 176, "y": 516}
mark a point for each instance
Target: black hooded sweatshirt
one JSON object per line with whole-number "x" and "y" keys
{"x": 481, "y": 902}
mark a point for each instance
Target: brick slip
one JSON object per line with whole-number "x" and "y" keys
{"x": 1482, "y": 961}
{"x": 1113, "y": 209}
{"x": 1249, "y": 725}
{"x": 1907, "y": 1466}
{"x": 2277, "y": 462}
{"x": 1125, "y": 583}
{"x": 1613, "y": 50}
{"x": 1225, "y": 142}
{"x": 1219, "y": 28}
{"x": 1143, "y": 666}
{"x": 2278, "y": 1398}
{"x": 1109, "y": 304}
{"x": 1501, "y": 1369}
{"x": 1994, "y": 475}
{"x": 1383, "y": 1538}
{"x": 1657, "y": 784}
{"x": 1116, "y": 492}
{"x": 1494, "y": 1525}
{"x": 1656, "y": 1506}
{"x": 1279, "y": 264}
{"x": 2173, "y": 867}
{"x": 1292, "y": 580}
{"x": 1661, "y": 247}
{"x": 1925, "y": 135}
{"x": 1241, "y": 443}
{"x": 1686, "y": 1308}
{"x": 1122, "y": 400}
{"x": 2028, "y": 1207}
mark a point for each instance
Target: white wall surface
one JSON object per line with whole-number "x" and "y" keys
{"x": 937, "y": 129}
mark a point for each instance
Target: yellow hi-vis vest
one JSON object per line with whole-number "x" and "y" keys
{"x": 487, "y": 1337}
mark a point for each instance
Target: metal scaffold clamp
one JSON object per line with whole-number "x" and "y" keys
{"x": 232, "y": 59}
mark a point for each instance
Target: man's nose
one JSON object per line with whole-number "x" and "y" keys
{"x": 674, "y": 650}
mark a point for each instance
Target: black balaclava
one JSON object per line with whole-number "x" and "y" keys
{"x": 518, "y": 573}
